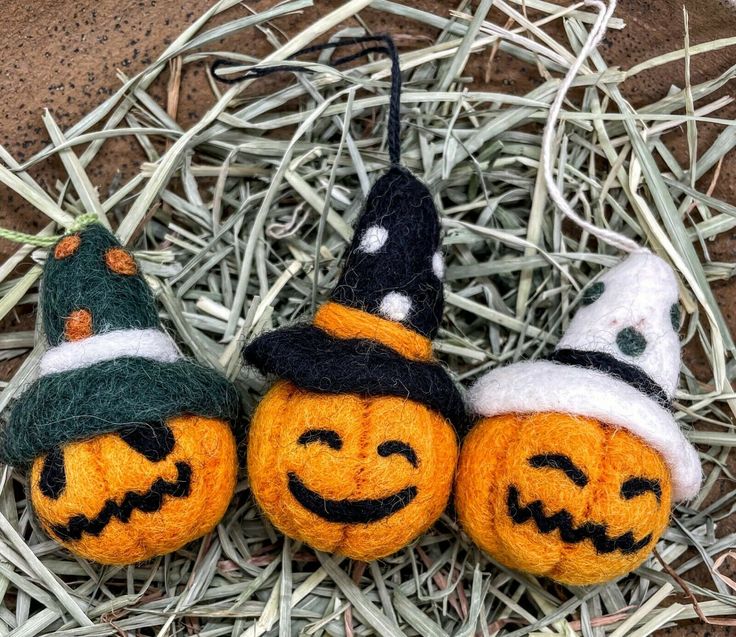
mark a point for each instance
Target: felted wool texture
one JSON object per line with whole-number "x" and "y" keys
{"x": 614, "y": 367}
{"x": 314, "y": 360}
{"x": 121, "y": 261}
{"x": 618, "y": 362}
{"x": 365, "y": 366}
{"x": 82, "y": 280}
{"x": 388, "y": 268}
{"x": 111, "y": 396}
{"x": 354, "y": 455}
{"x": 544, "y": 386}
{"x": 135, "y": 505}
{"x": 151, "y": 343}
{"x": 67, "y": 246}
{"x": 345, "y": 322}
{"x": 587, "y": 509}
{"x": 78, "y": 325}
{"x": 631, "y": 319}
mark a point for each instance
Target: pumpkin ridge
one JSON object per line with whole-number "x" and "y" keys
{"x": 595, "y": 487}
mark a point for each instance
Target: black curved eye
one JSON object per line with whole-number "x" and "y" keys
{"x": 52, "y": 480}
{"x": 155, "y": 441}
{"x": 561, "y": 462}
{"x": 634, "y": 487}
{"x": 324, "y": 436}
{"x": 391, "y": 447}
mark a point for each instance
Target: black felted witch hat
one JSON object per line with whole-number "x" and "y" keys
{"x": 110, "y": 367}
{"x": 394, "y": 268}
{"x": 373, "y": 337}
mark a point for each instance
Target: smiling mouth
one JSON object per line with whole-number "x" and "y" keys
{"x": 571, "y": 534}
{"x": 148, "y": 502}
{"x": 349, "y": 511}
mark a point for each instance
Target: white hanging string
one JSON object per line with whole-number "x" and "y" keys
{"x": 615, "y": 239}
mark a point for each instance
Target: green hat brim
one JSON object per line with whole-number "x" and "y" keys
{"x": 111, "y": 396}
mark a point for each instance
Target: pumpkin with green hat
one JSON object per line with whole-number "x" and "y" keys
{"x": 130, "y": 446}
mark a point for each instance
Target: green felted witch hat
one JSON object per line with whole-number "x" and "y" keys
{"x": 110, "y": 367}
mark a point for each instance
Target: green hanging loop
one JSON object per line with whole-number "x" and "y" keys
{"x": 81, "y": 222}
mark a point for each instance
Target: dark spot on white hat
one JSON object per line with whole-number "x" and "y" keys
{"x": 675, "y": 316}
{"x": 631, "y": 341}
{"x": 593, "y": 292}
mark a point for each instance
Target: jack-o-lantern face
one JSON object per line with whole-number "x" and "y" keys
{"x": 101, "y": 497}
{"x": 562, "y": 496}
{"x": 357, "y": 476}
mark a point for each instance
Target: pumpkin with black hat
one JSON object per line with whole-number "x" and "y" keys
{"x": 353, "y": 450}
{"x": 131, "y": 447}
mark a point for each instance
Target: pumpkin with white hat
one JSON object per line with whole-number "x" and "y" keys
{"x": 575, "y": 461}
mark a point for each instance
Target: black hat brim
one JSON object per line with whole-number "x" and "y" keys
{"x": 316, "y": 361}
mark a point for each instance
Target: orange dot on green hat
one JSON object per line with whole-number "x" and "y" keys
{"x": 78, "y": 325}
{"x": 120, "y": 261}
{"x": 67, "y": 246}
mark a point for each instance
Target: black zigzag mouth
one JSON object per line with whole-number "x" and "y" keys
{"x": 569, "y": 533}
{"x": 148, "y": 502}
{"x": 349, "y": 511}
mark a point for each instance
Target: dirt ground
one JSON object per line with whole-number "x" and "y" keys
{"x": 65, "y": 55}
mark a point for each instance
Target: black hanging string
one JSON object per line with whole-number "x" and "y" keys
{"x": 387, "y": 48}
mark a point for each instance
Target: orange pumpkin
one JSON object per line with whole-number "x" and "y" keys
{"x": 563, "y": 496}
{"x": 576, "y": 461}
{"x": 130, "y": 446}
{"x": 353, "y": 450}
{"x": 101, "y": 497}
{"x": 346, "y": 474}
{"x": 357, "y": 476}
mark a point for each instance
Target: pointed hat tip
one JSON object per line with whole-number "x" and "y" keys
{"x": 393, "y": 268}
{"x": 91, "y": 285}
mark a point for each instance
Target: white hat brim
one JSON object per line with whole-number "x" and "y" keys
{"x": 544, "y": 386}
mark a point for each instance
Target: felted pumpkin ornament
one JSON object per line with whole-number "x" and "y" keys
{"x": 353, "y": 450}
{"x": 576, "y": 460}
{"x": 130, "y": 446}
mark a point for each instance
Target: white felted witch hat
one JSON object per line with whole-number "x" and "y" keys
{"x": 618, "y": 362}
